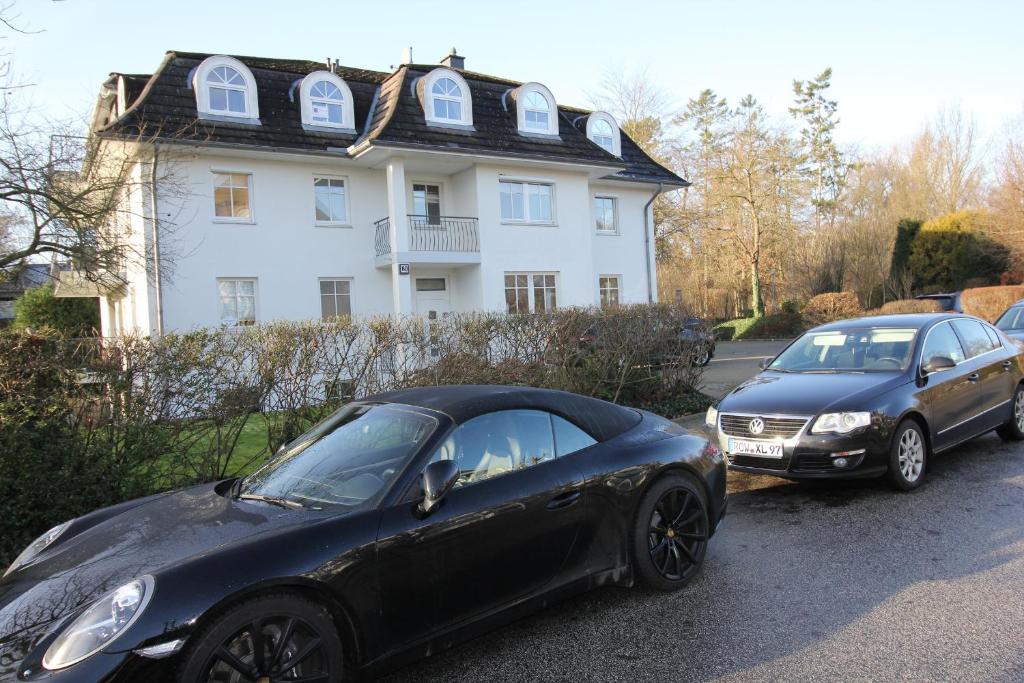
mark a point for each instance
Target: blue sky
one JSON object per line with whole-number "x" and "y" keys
{"x": 895, "y": 63}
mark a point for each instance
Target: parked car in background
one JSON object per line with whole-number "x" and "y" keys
{"x": 874, "y": 396}
{"x": 400, "y": 525}
{"x": 949, "y": 302}
{"x": 1011, "y": 322}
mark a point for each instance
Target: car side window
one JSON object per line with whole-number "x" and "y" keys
{"x": 569, "y": 438}
{"x": 993, "y": 336}
{"x": 498, "y": 443}
{"x": 942, "y": 341}
{"x": 976, "y": 341}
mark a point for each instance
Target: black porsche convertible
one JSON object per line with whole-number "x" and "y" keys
{"x": 397, "y": 527}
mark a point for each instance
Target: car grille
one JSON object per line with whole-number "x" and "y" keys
{"x": 761, "y": 463}
{"x": 784, "y": 427}
{"x": 814, "y": 463}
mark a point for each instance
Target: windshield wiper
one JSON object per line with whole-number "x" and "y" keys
{"x": 272, "y": 500}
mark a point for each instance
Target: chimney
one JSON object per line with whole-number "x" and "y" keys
{"x": 453, "y": 61}
{"x": 407, "y": 55}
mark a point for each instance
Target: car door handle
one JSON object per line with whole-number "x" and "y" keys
{"x": 563, "y": 500}
{"x": 1007, "y": 364}
{"x": 973, "y": 377}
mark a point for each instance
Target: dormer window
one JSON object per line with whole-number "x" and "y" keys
{"x": 535, "y": 109}
{"x": 446, "y": 98}
{"x": 225, "y": 87}
{"x": 326, "y": 101}
{"x": 604, "y": 131}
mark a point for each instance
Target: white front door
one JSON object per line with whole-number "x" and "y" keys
{"x": 433, "y": 300}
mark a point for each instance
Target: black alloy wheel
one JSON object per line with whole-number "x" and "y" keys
{"x": 674, "y": 534}
{"x": 1013, "y": 429}
{"x": 276, "y": 639}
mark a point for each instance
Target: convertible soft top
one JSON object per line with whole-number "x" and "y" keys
{"x": 600, "y": 419}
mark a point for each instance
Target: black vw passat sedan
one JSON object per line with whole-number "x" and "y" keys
{"x": 1011, "y": 322}
{"x": 400, "y": 525}
{"x": 874, "y": 396}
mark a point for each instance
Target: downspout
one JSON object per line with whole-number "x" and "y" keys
{"x": 647, "y": 243}
{"x": 155, "y": 220}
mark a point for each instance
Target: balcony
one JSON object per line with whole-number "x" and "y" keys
{"x": 439, "y": 240}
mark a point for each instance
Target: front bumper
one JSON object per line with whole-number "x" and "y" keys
{"x": 814, "y": 456}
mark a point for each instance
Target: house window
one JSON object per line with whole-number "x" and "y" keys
{"x": 447, "y": 100}
{"x": 603, "y": 131}
{"x": 609, "y": 288}
{"x": 530, "y": 292}
{"x": 604, "y": 212}
{"x": 330, "y": 200}
{"x": 232, "y": 196}
{"x": 426, "y": 202}
{"x": 225, "y": 87}
{"x": 326, "y": 102}
{"x": 536, "y": 111}
{"x": 237, "y": 302}
{"x": 527, "y": 202}
{"x": 335, "y": 298}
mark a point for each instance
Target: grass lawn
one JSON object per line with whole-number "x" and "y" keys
{"x": 775, "y": 326}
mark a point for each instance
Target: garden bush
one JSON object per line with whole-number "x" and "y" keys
{"x": 38, "y": 309}
{"x": 989, "y": 303}
{"x": 774, "y": 326}
{"x": 88, "y": 423}
{"x": 831, "y": 306}
{"x": 909, "y": 306}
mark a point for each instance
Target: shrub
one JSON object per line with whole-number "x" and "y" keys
{"x": 85, "y": 424}
{"x": 910, "y": 306}
{"x": 989, "y": 303}
{"x": 830, "y": 306}
{"x": 38, "y": 309}
{"x": 951, "y": 250}
{"x": 775, "y": 326}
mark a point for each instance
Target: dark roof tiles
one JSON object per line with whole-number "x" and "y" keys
{"x": 165, "y": 108}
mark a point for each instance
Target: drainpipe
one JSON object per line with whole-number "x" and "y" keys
{"x": 155, "y": 219}
{"x": 647, "y": 243}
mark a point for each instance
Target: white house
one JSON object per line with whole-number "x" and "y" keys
{"x": 321, "y": 190}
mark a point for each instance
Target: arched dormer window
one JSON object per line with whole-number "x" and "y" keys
{"x": 446, "y": 98}
{"x": 604, "y": 131}
{"x": 225, "y": 87}
{"x": 536, "y": 111}
{"x": 326, "y": 101}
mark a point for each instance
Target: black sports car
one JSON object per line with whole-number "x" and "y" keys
{"x": 400, "y": 525}
{"x": 874, "y": 396}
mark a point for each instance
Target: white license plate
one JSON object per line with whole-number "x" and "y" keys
{"x": 760, "y": 449}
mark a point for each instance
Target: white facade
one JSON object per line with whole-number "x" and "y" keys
{"x": 457, "y": 258}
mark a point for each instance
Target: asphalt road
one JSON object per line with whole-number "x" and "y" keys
{"x": 830, "y": 581}
{"x": 735, "y": 362}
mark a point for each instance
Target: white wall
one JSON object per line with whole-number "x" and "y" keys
{"x": 288, "y": 253}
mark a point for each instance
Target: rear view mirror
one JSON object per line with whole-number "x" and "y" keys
{"x": 438, "y": 480}
{"x": 938, "y": 364}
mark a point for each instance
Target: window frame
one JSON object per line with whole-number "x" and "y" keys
{"x": 202, "y": 90}
{"x": 596, "y": 116}
{"x": 601, "y": 290}
{"x": 466, "y": 99}
{"x": 347, "y": 221}
{"x": 531, "y": 290}
{"x": 527, "y": 219}
{"x": 238, "y": 220}
{"x": 306, "y": 102}
{"x": 963, "y": 340}
{"x": 615, "y": 214}
{"x": 351, "y": 295}
{"x": 521, "y": 93}
{"x": 255, "y": 300}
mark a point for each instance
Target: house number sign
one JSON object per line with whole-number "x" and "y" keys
{"x": 403, "y": 268}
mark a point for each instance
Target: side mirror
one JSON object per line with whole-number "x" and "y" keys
{"x": 937, "y": 364}
{"x": 438, "y": 480}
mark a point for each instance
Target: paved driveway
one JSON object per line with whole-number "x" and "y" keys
{"x": 847, "y": 582}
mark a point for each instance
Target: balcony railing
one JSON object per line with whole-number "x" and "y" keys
{"x": 432, "y": 233}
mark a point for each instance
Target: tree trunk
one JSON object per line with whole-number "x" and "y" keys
{"x": 756, "y": 302}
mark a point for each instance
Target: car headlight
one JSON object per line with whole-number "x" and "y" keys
{"x": 840, "y": 423}
{"x": 37, "y": 546}
{"x": 100, "y": 625}
{"x": 711, "y": 419}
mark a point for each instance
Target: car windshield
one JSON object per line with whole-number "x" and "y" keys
{"x": 856, "y": 349}
{"x": 347, "y": 459}
{"x": 1013, "y": 319}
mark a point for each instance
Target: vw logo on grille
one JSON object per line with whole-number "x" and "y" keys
{"x": 756, "y": 426}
